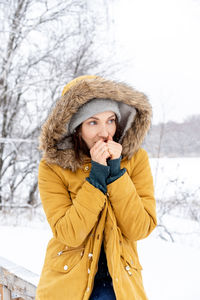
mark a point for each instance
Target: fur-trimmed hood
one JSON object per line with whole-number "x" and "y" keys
{"x": 55, "y": 140}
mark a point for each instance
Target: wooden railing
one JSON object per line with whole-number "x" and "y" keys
{"x": 16, "y": 282}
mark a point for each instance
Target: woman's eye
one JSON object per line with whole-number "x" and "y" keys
{"x": 111, "y": 121}
{"x": 92, "y": 122}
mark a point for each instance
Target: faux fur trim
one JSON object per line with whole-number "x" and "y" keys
{"x": 54, "y": 129}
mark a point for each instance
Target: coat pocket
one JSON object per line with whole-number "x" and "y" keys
{"x": 129, "y": 256}
{"x": 130, "y": 263}
{"x": 65, "y": 260}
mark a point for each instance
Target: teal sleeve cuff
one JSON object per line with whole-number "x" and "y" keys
{"x": 98, "y": 176}
{"x": 113, "y": 178}
{"x": 115, "y": 171}
{"x": 114, "y": 165}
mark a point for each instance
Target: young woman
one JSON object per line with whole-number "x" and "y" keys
{"x": 97, "y": 192}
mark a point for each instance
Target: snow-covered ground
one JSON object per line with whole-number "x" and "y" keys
{"x": 170, "y": 270}
{"x": 172, "y": 174}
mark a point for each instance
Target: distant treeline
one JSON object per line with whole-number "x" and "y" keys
{"x": 173, "y": 139}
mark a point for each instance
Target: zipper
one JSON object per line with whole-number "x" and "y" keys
{"x": 68, "y": 251}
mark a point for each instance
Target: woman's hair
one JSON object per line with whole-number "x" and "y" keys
{"x": 80, "y": 145}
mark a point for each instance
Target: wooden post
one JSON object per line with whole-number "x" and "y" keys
{"x": 4, "y": 293}
{"x": 16, "y": 297}
{"x": 16, "y": 282}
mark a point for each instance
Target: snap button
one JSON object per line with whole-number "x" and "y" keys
{"x": 86, "y": 168}
{"x": 88, "y": 271}
{"x": 127, "y": 268}
{"x": 107, "y": 194}
{"x": 65, "y": 267}
{"x": 129, "y": 273}
{"x": 88, "y": 289}
{"x": 90, "y": 255}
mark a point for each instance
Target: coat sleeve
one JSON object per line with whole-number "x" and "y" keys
{"x": 70, "y": 221}
{"x": 132, "y": 199}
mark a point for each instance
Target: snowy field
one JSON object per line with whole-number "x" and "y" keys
{"x": 170, "y": 270}
{"x": 171, "y": 174}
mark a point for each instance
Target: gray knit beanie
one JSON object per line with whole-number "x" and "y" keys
{"x": 92, "y": 108}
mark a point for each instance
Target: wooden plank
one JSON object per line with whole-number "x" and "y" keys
{"x": 1, "y": 292}
{"x": 4, "y": 293}
{"x": 16, "y": 297}
{"x": 18, "y": 280}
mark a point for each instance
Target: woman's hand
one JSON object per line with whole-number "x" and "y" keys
{"x": 115, "y": 149}
{"x": 99, "y": 152}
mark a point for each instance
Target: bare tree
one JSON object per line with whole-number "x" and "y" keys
{"x": 44, "y": 44}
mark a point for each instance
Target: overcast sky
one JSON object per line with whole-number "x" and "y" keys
{"x": 161, "y": 38}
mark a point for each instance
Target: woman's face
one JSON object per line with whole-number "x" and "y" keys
{"x": 99, "y": 126}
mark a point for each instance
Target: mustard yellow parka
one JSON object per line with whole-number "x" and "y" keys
{"x": 80, "y": 215}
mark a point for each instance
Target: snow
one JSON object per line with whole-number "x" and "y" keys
{"x": 19, "y": 271}
{"x": 171, "y": 271}
{"x": 172, "y": 173}
{"x": 24, "y": 246}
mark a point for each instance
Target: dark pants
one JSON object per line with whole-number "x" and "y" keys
{"x": 103, "y": 292}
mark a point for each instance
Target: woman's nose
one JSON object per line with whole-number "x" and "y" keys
{"x": 103, "y": 132}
